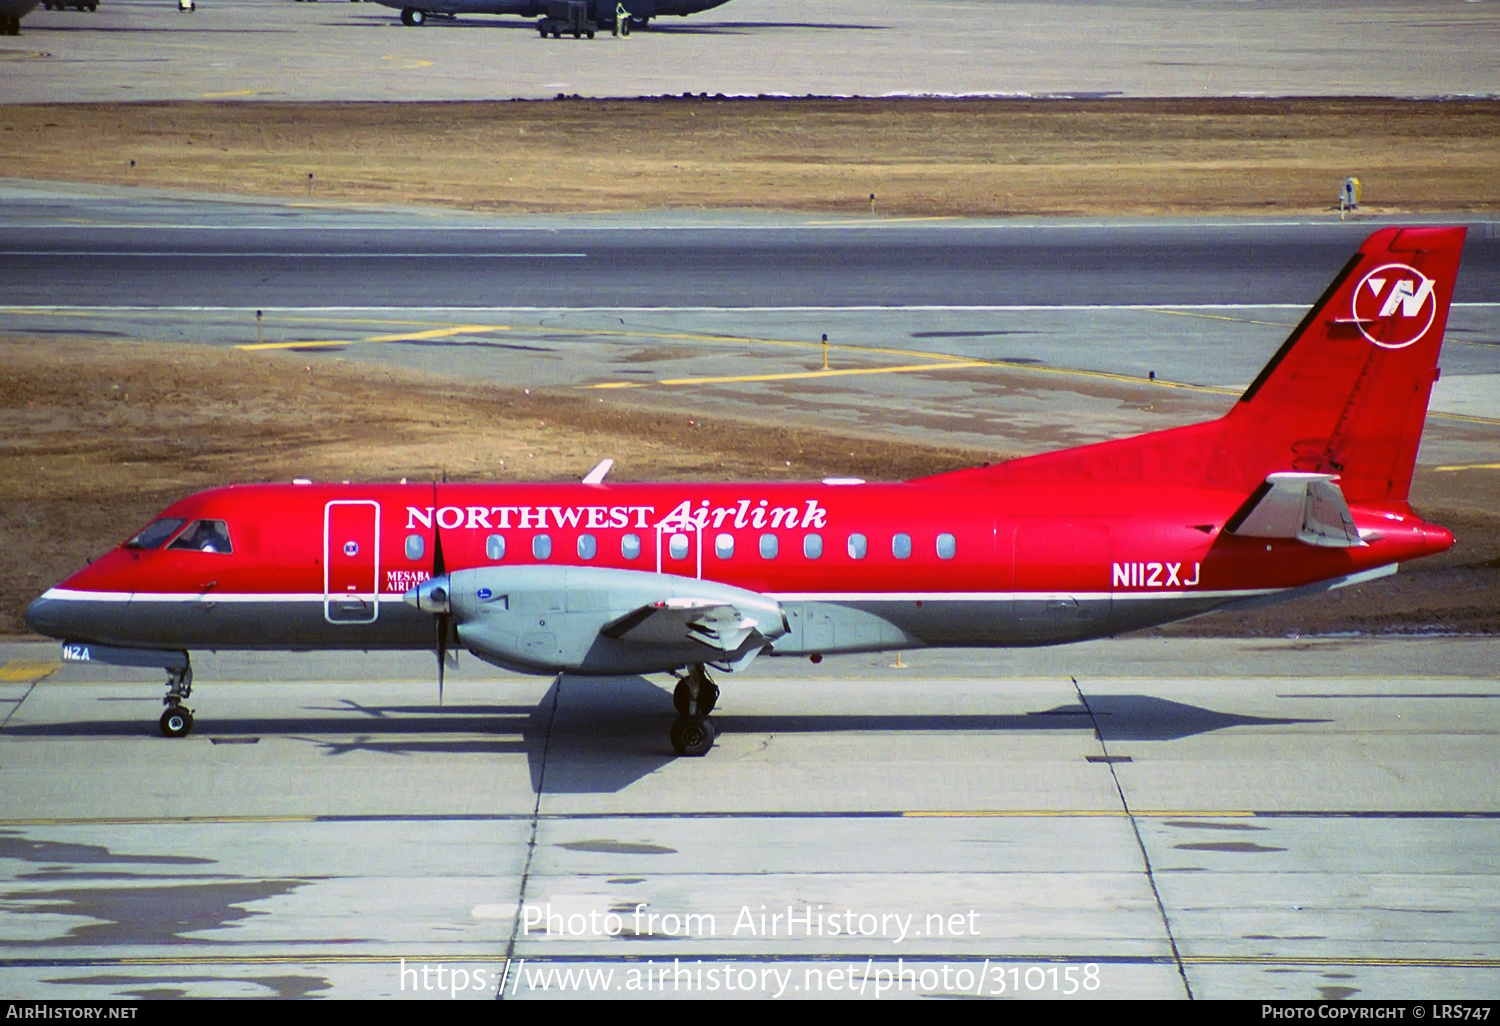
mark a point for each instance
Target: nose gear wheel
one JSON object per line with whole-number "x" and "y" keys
{"x": 177, "y": 721}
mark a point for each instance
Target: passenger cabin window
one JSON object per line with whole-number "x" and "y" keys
{"x": 901, "y": 546}
{"x": 494, "y": 548}
{"x": 416, "y": 546}
{"x": 677, "y": 547}
{"x": 204, "y": 536}
{"x": 630, "y": 546}
{"x": 724, "y": 546}
{"x": 769, "y": 546}
{"x": 587, "y": 546}
{"x": 858, "y": 547}
{"x": 812, "y": 546}
{"x": 541, "y": 546}
{"x": 156, "y": 533}
{"x": 947, "y": 546}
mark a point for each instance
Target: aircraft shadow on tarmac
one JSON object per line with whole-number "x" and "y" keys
{"x": 599, "y": 736}
{"x": 127, "y": 30}
{"x": 740, "y": 28}
{"x": 387, "y": 20}
{"x": 716, "y": 28}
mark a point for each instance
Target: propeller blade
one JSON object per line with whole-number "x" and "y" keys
{"x": 439, "y": 568}
{"x": 442, "y": 650}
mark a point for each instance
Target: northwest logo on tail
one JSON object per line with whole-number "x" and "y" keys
{"x": 1396, "y": 301}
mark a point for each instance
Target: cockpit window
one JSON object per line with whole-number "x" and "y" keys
{"x": 204, "y": 536}
{"x": 157, "y": 532}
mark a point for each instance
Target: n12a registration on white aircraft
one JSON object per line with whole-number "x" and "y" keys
{"x": 1302, "y": 485}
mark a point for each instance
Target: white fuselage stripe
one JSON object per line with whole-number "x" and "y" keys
{"x": 65, "y": 594}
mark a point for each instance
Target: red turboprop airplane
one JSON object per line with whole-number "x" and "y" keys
{"x": 1301, "y": 487}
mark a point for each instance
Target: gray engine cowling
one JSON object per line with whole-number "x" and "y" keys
{"x": 593, "y": 620}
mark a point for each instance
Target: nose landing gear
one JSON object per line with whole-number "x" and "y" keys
{"x": 695, "y": 697}
{"x": 177, "y": 721}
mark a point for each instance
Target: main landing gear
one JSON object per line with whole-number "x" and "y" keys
{"x": 695, "y": 697}
{"x": 177, "y": 721}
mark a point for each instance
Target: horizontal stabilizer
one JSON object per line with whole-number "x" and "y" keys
{"x": 1305, "y": 506}
{"x": 717, "y": 625}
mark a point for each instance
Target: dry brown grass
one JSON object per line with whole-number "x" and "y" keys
{"x": 920, "y": 157}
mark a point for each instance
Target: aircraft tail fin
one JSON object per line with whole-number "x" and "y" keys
{"x": 1344, "y": 397}
{"x": 1347, "y": 392}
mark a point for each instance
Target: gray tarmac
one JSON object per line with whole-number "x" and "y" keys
{"x": 137, "y": 50}
{"x": 1268, "y": 818}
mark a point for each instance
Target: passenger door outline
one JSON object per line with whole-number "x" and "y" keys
{"x": 346, "y": 569}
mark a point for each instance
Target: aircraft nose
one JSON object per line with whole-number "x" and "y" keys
{"x": 431, "y": 596}
{"x": 44, "y": 616}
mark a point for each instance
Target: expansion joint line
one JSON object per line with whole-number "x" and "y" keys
{"x": 16, "y": 706}
{"x": 536, "y": 816}
{"x": 1140, "y": 842}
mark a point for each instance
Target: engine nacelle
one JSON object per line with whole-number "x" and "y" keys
{"x": 599, "y": 621}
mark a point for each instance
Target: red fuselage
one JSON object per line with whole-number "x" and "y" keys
{"x": 327, "y": 566}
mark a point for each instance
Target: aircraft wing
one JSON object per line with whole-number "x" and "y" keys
{"x": 718, "y": 625}
{"x": 1304, "y": 506}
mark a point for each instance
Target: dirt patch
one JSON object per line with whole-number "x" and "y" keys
{"x": 96, "y": 437}
{"x": 919, "y": 157}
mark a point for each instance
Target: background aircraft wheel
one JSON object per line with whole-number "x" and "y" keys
{"x": 412, "y": 16}
{"x": 591, "y": 35}
{"x": 176, "y": 722}
{"x": 692, "y": 735}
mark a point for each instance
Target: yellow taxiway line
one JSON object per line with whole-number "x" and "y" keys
{"x": 406, "y": 336}
{"x": 794, "y": 375}
{"x": 939, "y": 359}
{"x": 26, "y": 671}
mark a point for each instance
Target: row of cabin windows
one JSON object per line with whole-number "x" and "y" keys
{"x": 678, "y": 546}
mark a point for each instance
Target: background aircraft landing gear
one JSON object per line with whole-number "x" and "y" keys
{"x": 412, "y": 16}
{"x": 694, "y": 697}
{"x": 177, "y": 721}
